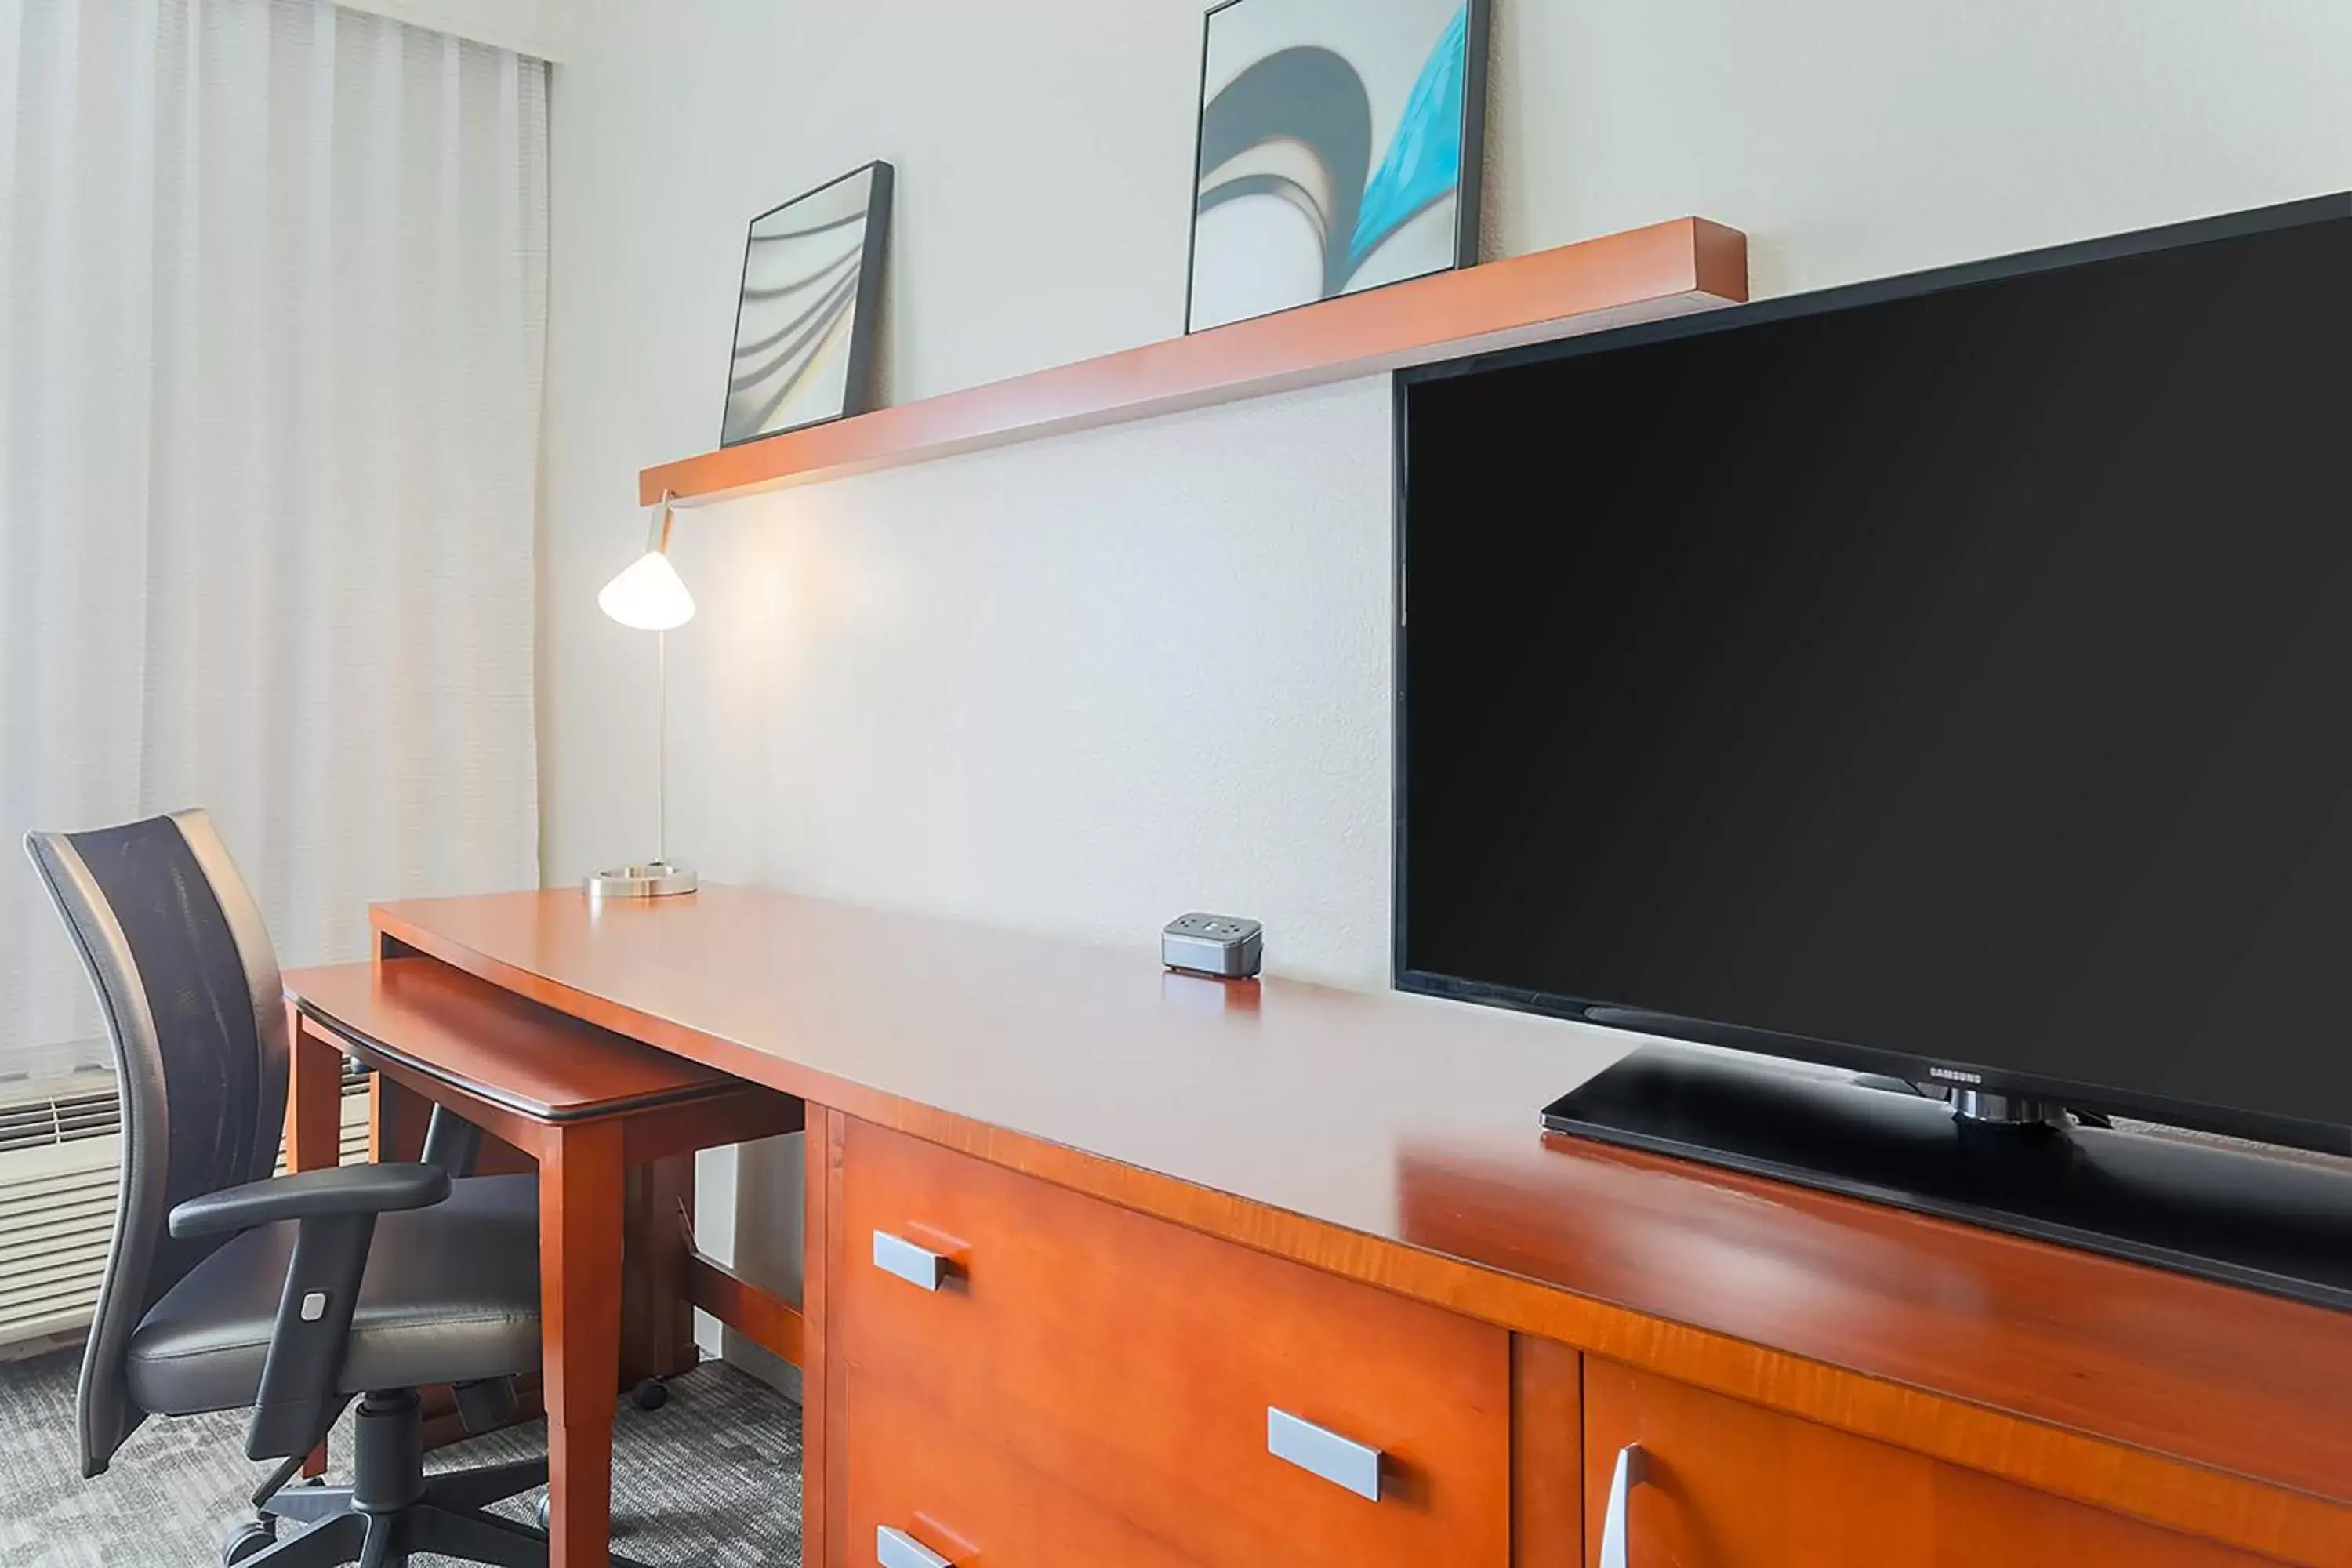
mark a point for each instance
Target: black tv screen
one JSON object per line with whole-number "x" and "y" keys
{"x": 1950, "y": 677}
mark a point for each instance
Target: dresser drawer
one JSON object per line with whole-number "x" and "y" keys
{"x": 966, "y": 1497}
{"x": 1731, "y": 1485}
{"x": 1234, "y": 1405}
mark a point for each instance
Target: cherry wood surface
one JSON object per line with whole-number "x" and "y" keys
{"x": 825, "y": 1457}
{"x": 2094, "y": 1343}
{"x": 314, "y": 1098}
{"x": 314, "y": 1125}
{"x": 1547, "y": 1453}
{"x": 492, "y": 1043}
{"x": 963, "y": 1492}
{"x": 764, "y": 1318}
{"x": 1668, "y": 269}
{"x": 657, "y": 1318}
{"x": 581, "y": 1189}
{"x": 1736, "y": 1486}
{"x": 1395, "y": 1139}
{"x": 1135, "y": 1361}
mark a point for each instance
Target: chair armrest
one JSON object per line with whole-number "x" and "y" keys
{"x": 312, "y": 1194}
{"x": 334, "y": 1213}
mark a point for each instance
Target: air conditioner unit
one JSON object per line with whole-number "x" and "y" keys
{"x": 59, "y": 1152}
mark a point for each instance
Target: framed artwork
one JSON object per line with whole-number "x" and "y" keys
{"x": 804, "y": 317}
{"x": 1339, "y": 149}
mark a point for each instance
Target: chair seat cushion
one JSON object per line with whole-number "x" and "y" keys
{"x": 451, "y": 1294}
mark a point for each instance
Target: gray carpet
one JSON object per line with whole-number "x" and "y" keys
{"x": 713, "y": 1477}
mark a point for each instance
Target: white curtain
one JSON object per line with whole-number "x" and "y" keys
{"x": 272, "y": 296}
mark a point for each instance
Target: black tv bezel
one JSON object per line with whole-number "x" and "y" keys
{"x": 2230, "y": 1121}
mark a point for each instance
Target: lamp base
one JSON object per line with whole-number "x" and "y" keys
{"x": 641, "y": 879}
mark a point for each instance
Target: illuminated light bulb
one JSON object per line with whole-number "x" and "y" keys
{"x": 648, "y": 594}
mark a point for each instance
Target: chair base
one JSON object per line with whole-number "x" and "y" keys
{"x": 385, "y": 1540}
{"x": 392, "y": 1509}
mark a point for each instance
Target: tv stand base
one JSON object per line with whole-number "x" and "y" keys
{"x": 2273, "y": 1223}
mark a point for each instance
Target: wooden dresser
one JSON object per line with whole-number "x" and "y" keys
{"x": 1110, "y": 1265}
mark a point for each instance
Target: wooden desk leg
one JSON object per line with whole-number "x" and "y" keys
{"x": 314, "y": 1100}
{"x": 656, "y": 1324}
{"x": 579, "y": 1193}
{"x": 384, "y": 1121}
{"x": 314, "y": 1125}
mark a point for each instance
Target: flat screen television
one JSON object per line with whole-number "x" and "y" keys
{"x": 1948, "y": 677}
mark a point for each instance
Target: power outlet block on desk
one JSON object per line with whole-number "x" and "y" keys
{"x": 1226, "y": 946}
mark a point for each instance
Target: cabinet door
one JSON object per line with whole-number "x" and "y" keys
{"x": 1725, "y": 1484}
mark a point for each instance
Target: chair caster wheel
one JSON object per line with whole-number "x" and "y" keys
{"x": 248, "y": 1540}
{"x": 650, "y": 1394}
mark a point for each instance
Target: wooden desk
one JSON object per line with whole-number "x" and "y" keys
{"x": 586, "y": 1105}
{"x": 1079, "y": 1137}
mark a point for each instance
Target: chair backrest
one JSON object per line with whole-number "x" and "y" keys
{"x": 189, "y": 985}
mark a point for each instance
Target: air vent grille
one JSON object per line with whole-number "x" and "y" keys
{"x": 41, "y": 1124}
{"x": 44, "y": 1122}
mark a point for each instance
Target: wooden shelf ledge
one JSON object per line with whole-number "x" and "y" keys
{"x": 1666, "y": 269}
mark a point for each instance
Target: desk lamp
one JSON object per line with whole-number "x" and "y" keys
{"x": 648, "y": 596}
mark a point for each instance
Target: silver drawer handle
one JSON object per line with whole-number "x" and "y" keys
{"x": 897, "y": 1548}
{"x": 1340, "y": 1460}
{"x": 917, "y": 1266}
{"x": 1632, "y": 1469}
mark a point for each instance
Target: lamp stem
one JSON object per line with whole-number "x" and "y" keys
{"x": 661, "y": 754}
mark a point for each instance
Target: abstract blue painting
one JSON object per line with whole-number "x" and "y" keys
{"x": 1339, "y": 150}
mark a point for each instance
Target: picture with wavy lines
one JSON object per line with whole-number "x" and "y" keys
{"x": 1339, "y": 150}
{"x": 804, "y": 322}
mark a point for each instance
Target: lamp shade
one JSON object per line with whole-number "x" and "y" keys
{"x": 648, "y": 594}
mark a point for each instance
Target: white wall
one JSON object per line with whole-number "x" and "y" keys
{"x": 1082, "y": 685}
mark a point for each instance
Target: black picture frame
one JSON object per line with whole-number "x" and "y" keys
{"x": 1468, "y": 188}
{"x": 857, "y": 388}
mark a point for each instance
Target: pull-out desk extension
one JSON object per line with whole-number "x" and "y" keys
{"x": 587, "y": 1105}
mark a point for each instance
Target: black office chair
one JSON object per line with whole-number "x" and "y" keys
{"x": 226, "y": 1288}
